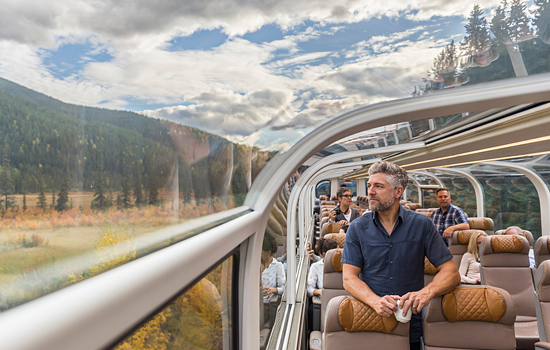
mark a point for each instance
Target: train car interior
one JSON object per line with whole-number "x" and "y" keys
{"x": 223, "y": 263}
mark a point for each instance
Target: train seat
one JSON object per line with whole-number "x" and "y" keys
{"x": 351, "y": 324}
{"x": 414, "y": 206}
{"x": 340, "y": 238}
{"x": 458, "y": 244}
{"x": 542, "y": 301}
{"x": 528, "y": 235}
{"x": 470, "y": 317}
{"x": 427, "y": 213}
{"x": 505, "y": 264}
{"x": 542, "y": 250}
{"x": 333, "y": 282}
{"x": 484, "y": 224}
{"x": 429, "y": 271}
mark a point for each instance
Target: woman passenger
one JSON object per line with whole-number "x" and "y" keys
{"x": 470, "y": 264}
{"x": 315, "y": 278}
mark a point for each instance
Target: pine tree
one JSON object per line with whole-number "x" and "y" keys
{"x": 42, "y": 197}
{"x": 6, "y": 180}
{"x": 53, "y": 199}
{"x": 119, "y": 203}
{"x": 153, "y": 187}
{"x": 499, "y": 26}
{"x": 477, "y": 37}
{"x": 518, "y": 22}
{"x": 24, "y": 201}
{"x": 126, "y": 182}
{"x": 542, "y": 19}
{"x": 138, "y": 195}
{"x": 99, "y": 200}
{"x": 63, "y": 196}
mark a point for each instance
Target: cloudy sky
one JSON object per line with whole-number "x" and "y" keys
{"x": 259, "y": 72}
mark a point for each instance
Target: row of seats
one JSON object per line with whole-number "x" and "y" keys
{"x": 525, "y": 321}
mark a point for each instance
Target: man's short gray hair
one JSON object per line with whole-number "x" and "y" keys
{"x": 396, "y": 176}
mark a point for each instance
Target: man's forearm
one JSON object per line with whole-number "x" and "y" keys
{"x": 443, "y": 282}
{"x": 359, "y": 290}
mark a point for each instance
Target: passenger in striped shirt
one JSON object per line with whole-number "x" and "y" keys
{"x": 448, "y": 217}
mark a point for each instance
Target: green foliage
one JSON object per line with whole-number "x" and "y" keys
{"x": 6, "y": 180}
{"x": 125, "y": 200}
{"x": 42, "y": 198}
{"x": 99, "y": 196}
{"x": 477, "y": 37}
{"x": 542, "y": 19}
{"x": 63, "y": 195}
{"x": 138, "y": 194}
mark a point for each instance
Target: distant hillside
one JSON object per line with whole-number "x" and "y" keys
{"x": 47, "y": 138}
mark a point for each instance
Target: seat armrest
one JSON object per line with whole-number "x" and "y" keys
{"x": 316, "y": 340}
{"x": 264, "y": 336}
{"x": 316, "y": 300}
{"x": 542, "y": 346}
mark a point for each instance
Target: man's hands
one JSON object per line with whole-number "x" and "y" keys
{"x": 448, "y": 232}
{"x": 268, "y": 291}
{"x": 386, "y": 305}
{"x": 416, "y": 301}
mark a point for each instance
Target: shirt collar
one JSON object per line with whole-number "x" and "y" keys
{"x": 400, "y": 214}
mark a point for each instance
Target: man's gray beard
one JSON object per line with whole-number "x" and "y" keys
{"x": 383, "y": 206}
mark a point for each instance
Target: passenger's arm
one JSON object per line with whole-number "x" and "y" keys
{"x": 281, "y": 279}
{"x": 311, "y": 281}
{"x": 444, "y": 281}
{"x": 463, "y": 269}
{"x": 384, "y": 306}
{"x": 449, "y": 230}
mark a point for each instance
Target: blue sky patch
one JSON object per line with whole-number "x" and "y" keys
{"x": 69, "y": 59}
{"x": 266, "y": 34}
{"x": 199, "y": 40}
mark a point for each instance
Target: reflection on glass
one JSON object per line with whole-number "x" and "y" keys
{"x": 273, "y": 265}
{"x": 201, "y": 318}
{"x": 71, "y": 177}
{"x": 511, "y": 200}
{"x": 429, "y": 198}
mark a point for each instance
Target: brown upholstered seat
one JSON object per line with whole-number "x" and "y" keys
{"x": 414, "y": 206}
{"x": 542, "y": 250}
{"x": 505, "y": 264}
{"x": 340, "y": 238}
{"x": 427, "y": 213}
{"x": 484, "y": 224}
{"x": 542, "y": 299}
{"x": 470, "y": 317}
{"x": 459, "y": 244}
{"x": 333, "y": 282}
{"x": 528, "y": 235}
{"x": 370, "y": 336}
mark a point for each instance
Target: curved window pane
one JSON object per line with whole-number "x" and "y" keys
{"x": 204, "y": 317}
{"x": 323, "y": 189}
{"x": 510, "y": 199}
{"x": 352, "y": 185}
{"x": 461, "y": 191}
{"x": 411, "y": 193}
{"x": 429, "y": 198}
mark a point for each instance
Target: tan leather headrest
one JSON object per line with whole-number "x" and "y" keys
{"x": 340, "y": 238}
{"x": 507, "y": 244}
{"x": 333, "y": 227}
{"x": 337, "y": 260}
{"x": 473, "y": 304}
{"x": 429, "y": 269}
{"x": 479, "y": 223}
{"x": 464, "y": 236}
{"x": 548, "y": 244}
{"x": 355, "y": 316}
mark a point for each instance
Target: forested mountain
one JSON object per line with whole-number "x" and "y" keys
{"x": 46, "y": 140}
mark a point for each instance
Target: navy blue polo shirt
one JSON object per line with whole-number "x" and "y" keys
{"x": 394, "y": 264}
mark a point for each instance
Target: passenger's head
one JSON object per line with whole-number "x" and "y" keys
{"x": 475, "y": 241}
{"x": 387, "y": 182}
{"x": 323, "y": 198}
{"x": 324, "y": 245}
{"x": 514, "y": 231}
{"x": 344, "y": 196}
{"x": 443, "y": 198}
{"x": 269, "y": 246}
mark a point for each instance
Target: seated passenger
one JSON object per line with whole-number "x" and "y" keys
{"x": 273, "y": 272}
{"x": 344, "y": 214}
{"x": 315, "y": 278}
{"x": 470, "y": 264}
{"x": 516, "y": 231}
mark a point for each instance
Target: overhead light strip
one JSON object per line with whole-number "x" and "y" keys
{"x": 481, "y": 161}
{"x": 520, "y": 143}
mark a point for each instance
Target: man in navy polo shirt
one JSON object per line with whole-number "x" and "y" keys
{"x": 384, "y": 252}
{"x": 448, "y": 217}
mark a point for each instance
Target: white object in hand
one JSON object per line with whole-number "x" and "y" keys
{"x": 399, "y": 313}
